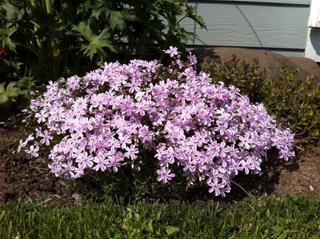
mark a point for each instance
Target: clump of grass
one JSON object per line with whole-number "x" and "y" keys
{"x": 267, "y": 217}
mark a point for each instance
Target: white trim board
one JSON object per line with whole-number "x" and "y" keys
{"x": 313, "y": 35}
{"x": 286, "y": 2}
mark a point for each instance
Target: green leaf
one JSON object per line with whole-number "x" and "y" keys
{"x": 315, "y": 132}
{"x": 310, "y": 113}
{"x": 116, "y": 20}
{"x": 191, "y": 13}
{"x": 97, "y": 44}
{"x": 170, "y": 230}
{"x": 12, "y": 89}
{"x": 94, "y": 43}
{"x": 15, "y": 64}
{"x": 2, "y": 89}
{"x": 3, "y": 96}
{"x": 8, "y": 93}
{"x": 5, "y": 34}
{"x": 84, "y": 30}
{"x": 150, "y": 226}
{"x": 12, "y": 12}
{"x": 129, "y": 17}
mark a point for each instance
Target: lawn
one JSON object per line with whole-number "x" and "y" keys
{"x": 266, "y": 217}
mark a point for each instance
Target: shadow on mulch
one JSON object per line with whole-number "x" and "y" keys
{"x": 30, "y": 179}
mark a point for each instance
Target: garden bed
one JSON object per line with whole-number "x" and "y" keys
{"x": 21, "y": 177}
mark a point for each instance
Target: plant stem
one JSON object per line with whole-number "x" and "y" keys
{"x": 49, "y": 6}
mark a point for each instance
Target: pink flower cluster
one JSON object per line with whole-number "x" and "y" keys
{"x": 109, "y": 117}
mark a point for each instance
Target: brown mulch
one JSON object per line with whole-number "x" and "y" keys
{"x": 304, "y": 178}
{"x": 30, "y": 179}
{"x": 268, "y": 60}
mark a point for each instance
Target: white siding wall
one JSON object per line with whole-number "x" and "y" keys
{"x": 279, "y": 25}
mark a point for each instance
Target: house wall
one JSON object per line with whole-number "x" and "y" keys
{"x": 278, "y": 25}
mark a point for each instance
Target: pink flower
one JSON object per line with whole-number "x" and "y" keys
{"x": 164, "y": 175}
{"x": 33, "y": 151}
{"x": 101, "y": 163}
{"x": 144, "y": 134}
{"x": 172, "y": 51}
{"x": 84, "y": 160}
{"x": 45, "y": 138}
{"x": 131, "y": 152}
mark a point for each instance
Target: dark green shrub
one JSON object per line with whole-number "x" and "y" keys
{"x": 294, "y": 103}
{"x": 46, "y": 39}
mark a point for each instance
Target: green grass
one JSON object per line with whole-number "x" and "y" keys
{"x": 267, "y": 217}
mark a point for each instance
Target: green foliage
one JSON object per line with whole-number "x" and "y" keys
{"x": 94, "y": 44}
{"x": 266, "y": 217}
{"x": 13, "y": 90}
{"x": 52, "y": 38}
{"x": 8, "y": 93}
{"x": 14, "y": 96}
{"x": 247, "y": 76}
{"x": 294, "y": 103}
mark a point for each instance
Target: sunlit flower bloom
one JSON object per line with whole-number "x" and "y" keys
{"x": 172, "y": 51}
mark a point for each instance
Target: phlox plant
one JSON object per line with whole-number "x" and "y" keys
{"x": 111, "y": 116}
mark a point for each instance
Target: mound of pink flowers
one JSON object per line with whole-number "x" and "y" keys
{"x": 108, "y": 118}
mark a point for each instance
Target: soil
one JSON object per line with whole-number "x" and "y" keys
{"x": 304, "y": 177}
{"x": 21, "y": 177}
